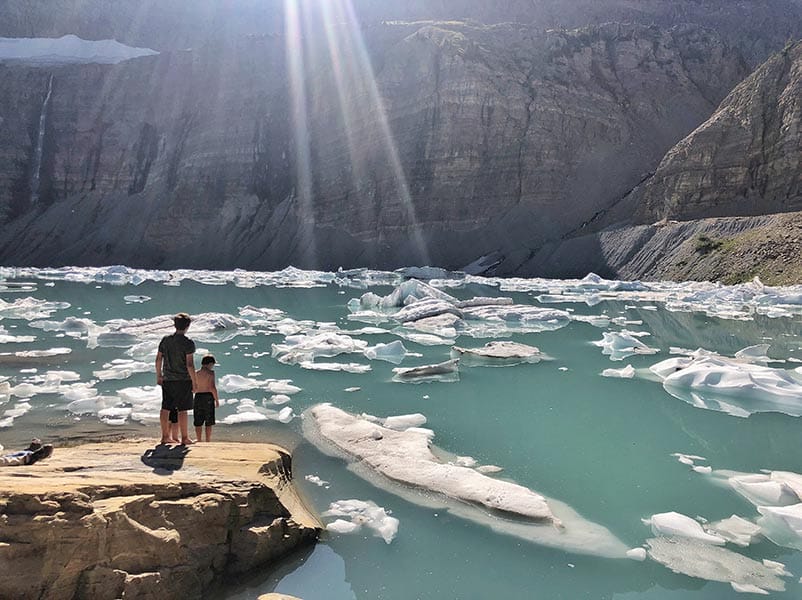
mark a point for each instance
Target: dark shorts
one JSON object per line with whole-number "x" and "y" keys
{"x": 176, "y": 395}
{"x": 203, "y": 409}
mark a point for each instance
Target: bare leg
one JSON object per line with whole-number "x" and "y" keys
{"x": 183, "y": 424}
{"x": 208, "y": 433}
{"x": 164, "y": 421}
{"x": 198, "y": 431}
{"x": 174, "y": 433}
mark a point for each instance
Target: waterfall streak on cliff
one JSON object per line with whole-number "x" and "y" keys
{"x": 40, "y": 138}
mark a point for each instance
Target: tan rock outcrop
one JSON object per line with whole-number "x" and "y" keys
{"x": 125, "y": 519}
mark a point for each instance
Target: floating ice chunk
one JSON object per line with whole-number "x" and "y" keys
{"x": 406, "y": 457}
{"x": 412, "y": 290}
{"x": 352, "y": 389}
{"x": 5, "y": 338}
{"x": 136, "y": 299}
{"x": 91, "y": 405}
{"x": 754, "y": 354}
{"x": 713, "y": 563}
{"x": 620, "y": 345}
{"x": 402, "y": 422}
{"x": 302, "y": 348}
{"x": 735, "y": 529}
{"x": 674, "y": 524}
{"x": 279, "y": 399}
{"x": 343, "y": 527}
{"x": 466, "y": 461}
{"x": 399, "y": 460}
{"x": 782, "y": 524}
{"x": 394, "y": 352}
{"x": 121, "y": 370}
{"x": 444, "y": 371}
{"x": 29, "y": 308}
{"x": 761, "y": 490}
{"x": 704, "y": 470}
{"x": 285, "y": 415}
{"x": 334, "y": 366}
{"x": 627, "y": 372}
{"x": 363, "y": 513}
{"x": 637, "y": 554}
{"x": 778, "y": 567}
{"x": 428, "y": 307}
{"x": 498, "y": 353}
{"x": 114, "y": 415}
{"x": 730, "y": 385}
{"x": 424, "y": 339}
{"x": 232, "y": 384}
{"x": 316, "y": 480}
{"x": 489, "y": 469}
{"x": 250, "y": 416}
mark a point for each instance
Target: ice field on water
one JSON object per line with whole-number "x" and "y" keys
{"x": 566, "y": 439}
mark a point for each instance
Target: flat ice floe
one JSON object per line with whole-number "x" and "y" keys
{"x": 404, "y": 462}
{"x": 499, "y": 353}
{"x": 736, "y": 386}
{"x": 447, "y": 371}
{"x": 714, "y": 563}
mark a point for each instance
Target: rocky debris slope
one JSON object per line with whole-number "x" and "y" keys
{"x": 452, "y": 142}
{"x": 744, "y": 160}
{"x": 123, "y": 519}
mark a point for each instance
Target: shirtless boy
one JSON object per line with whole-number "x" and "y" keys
{"x": 206, "y": 399}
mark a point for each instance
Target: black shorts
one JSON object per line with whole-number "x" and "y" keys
{"x": 203, "y": 409}
{"x": 176, "y": 395}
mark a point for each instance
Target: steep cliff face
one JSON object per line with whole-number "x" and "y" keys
{"x": 431, "y": 143}
{"x": 755, "y": 27}
{"x": 745, "y": 159}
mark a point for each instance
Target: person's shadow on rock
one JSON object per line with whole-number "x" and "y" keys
{"x": 165, "y": 459}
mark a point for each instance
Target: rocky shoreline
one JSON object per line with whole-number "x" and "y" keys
{"x": 134, "y": 520}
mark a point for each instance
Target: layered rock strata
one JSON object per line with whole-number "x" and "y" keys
{"x": 744, "y": 160}
{"x": 123, "y": 519}
{"x": 438, "y": 144}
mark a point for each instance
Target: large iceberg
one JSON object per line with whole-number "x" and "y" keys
{"x": 404, "y": 461}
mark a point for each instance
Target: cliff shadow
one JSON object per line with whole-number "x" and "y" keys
{"x": 165, "y": 459}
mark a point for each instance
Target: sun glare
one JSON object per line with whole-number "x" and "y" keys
{"x": 361, "y": 108}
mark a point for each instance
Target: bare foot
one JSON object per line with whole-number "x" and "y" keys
{"x": 186, "y": 442}
{"x": 168, "y": 441}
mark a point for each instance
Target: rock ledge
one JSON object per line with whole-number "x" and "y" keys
{"x": 125, "y": 519}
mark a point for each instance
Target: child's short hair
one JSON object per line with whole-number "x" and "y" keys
{"x": 208, "y": 359}
{"x": 181, "y": 321}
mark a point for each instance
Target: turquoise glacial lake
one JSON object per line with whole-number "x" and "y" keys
{"x": 603, "y": 445}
